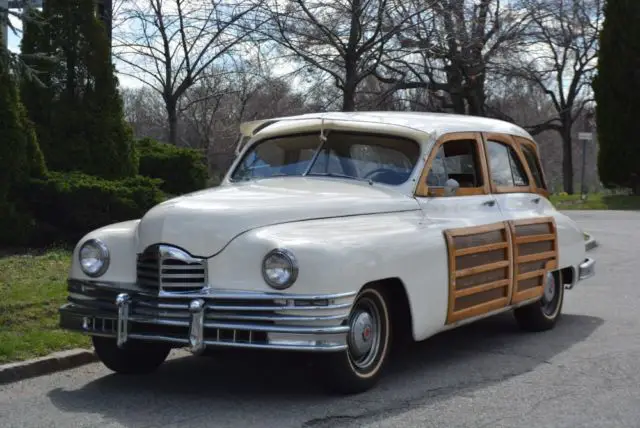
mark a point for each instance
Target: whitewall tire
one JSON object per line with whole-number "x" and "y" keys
{"x": 543, "y": 314}
{"x": 358, "y": 368}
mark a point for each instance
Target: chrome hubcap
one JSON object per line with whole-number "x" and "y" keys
{"x": 550, "y": 288}
{"x": 364, "y": 336}
{"x": 549, "y": 295}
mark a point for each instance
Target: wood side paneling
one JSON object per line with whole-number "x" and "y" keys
{"x": 480, "y": 270}
{"x": 535, "y": 252}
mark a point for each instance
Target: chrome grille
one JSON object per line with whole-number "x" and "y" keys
{"x": 166, "y": 268}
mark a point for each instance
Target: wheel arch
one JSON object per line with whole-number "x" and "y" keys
{"x": 401, "y": 315}
{"x": 568, "y": 275}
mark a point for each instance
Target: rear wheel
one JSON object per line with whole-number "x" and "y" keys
{"x": 135, "y": 357}
{"x": 358, "y": 368}
{"x": 545, "y": 313}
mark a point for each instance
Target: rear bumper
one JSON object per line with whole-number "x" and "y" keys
{"x": 207, "y": 319}
{"x": 586, "y": 269}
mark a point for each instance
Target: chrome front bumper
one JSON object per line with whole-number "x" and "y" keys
{"x": 209, "y": 318}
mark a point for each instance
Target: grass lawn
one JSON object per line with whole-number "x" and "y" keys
{"x": 596, "y": 201}
{"x": 32, "y": 288}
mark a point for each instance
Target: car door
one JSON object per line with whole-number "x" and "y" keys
{"x": 473, "y": 229}
{"x": 520, "y": 199}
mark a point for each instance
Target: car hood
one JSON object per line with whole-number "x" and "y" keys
{"x": 204, "y": 222}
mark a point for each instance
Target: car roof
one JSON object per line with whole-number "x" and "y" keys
{"x": 431, "y": 123}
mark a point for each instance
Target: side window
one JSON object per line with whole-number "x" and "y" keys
{"x": 506, "y": 168}
{"x": 534, "y": 165}
{"x": 457, "y": 159}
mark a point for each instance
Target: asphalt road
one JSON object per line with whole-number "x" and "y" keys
{"x": 584, "y": 373}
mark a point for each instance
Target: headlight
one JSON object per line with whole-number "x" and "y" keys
{"x": 94, "y": 257}
{"x": 280, "y": 269}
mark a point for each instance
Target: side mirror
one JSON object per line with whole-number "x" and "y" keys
{"x": 450, "y": 187}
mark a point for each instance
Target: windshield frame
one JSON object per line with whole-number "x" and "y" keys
{"x": 321, "y": 144}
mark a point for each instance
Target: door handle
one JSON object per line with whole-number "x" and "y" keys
{"x": 489, "y": 203}
{"x": 535, "y": 200}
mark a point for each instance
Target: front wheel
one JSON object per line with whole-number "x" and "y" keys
{"x": 545, "y": 313}
{"x": 358, "y": 368}
{"x": 135, "y": 357}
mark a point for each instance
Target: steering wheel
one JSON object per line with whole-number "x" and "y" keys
{"x": 394, "y": 175}
{"x": 376, "y": 171}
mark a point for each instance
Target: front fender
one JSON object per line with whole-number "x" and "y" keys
{"x": 121, "y": 239}
{"x": 342, "y": 254}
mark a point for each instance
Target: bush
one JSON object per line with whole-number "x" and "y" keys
{"x": 182, "y": 170}
{"x": 68, "y": 205}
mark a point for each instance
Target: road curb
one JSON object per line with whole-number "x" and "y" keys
{"x": 57, "y": 361}
{"x": 591, "y": 243}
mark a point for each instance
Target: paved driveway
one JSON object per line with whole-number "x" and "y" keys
{"x": 585, "y": 373}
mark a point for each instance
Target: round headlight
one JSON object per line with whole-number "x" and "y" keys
{"x": 280, "y": 269}
{"x": 94, "y": 257}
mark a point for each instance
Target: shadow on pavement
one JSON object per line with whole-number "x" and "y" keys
{"x": 450, "y": 363}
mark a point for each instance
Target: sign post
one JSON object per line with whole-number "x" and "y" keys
{"x": 584, "y": 137}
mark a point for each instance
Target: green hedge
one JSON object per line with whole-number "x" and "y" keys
{"x": 182, "y": 170}
{"x": 20, "y": 159}
{"x": 68, "y": 205}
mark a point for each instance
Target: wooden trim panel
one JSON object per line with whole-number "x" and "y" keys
{"x": 535, "y": 252}
{"x": 510, "y": 141}
{"x": 480, "y": 270}
{"x": 422, "y": 189}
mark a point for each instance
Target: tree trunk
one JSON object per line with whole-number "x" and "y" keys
{"x": 349, "y": 91}
{"x": 456, "y": 91}
{"x": 172, "y": 113}
{"x": 567, "y": 158}
{"x": 475, "y": 96}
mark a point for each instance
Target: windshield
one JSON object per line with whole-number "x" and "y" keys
{"x": 378, "y": 158}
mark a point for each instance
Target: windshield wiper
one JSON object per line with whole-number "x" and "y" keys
{"x": 337, "y": 174}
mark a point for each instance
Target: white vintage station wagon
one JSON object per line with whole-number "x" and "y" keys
{"x": 333, "y": 233}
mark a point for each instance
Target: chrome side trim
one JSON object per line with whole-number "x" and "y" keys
{"x": 208, "y": 292}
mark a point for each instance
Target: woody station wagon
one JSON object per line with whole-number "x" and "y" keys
{"x": 332, "y": 234}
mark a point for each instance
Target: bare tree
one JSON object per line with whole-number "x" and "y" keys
{"x": 144, "y": 111}
{"x": 343, "y": 41}
{"x": 562, "y": 65}
{"x": 169, "y": 45}
{"x": 452, "y": 48}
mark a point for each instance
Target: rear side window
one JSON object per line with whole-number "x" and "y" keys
{"x": 506, "y": 168}
{"x": 534, "y": 165}
{"x": 457, "y": 159}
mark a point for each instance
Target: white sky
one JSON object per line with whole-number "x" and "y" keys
{"x": 130, "y": 82}
{"x": 13, "y": 44}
